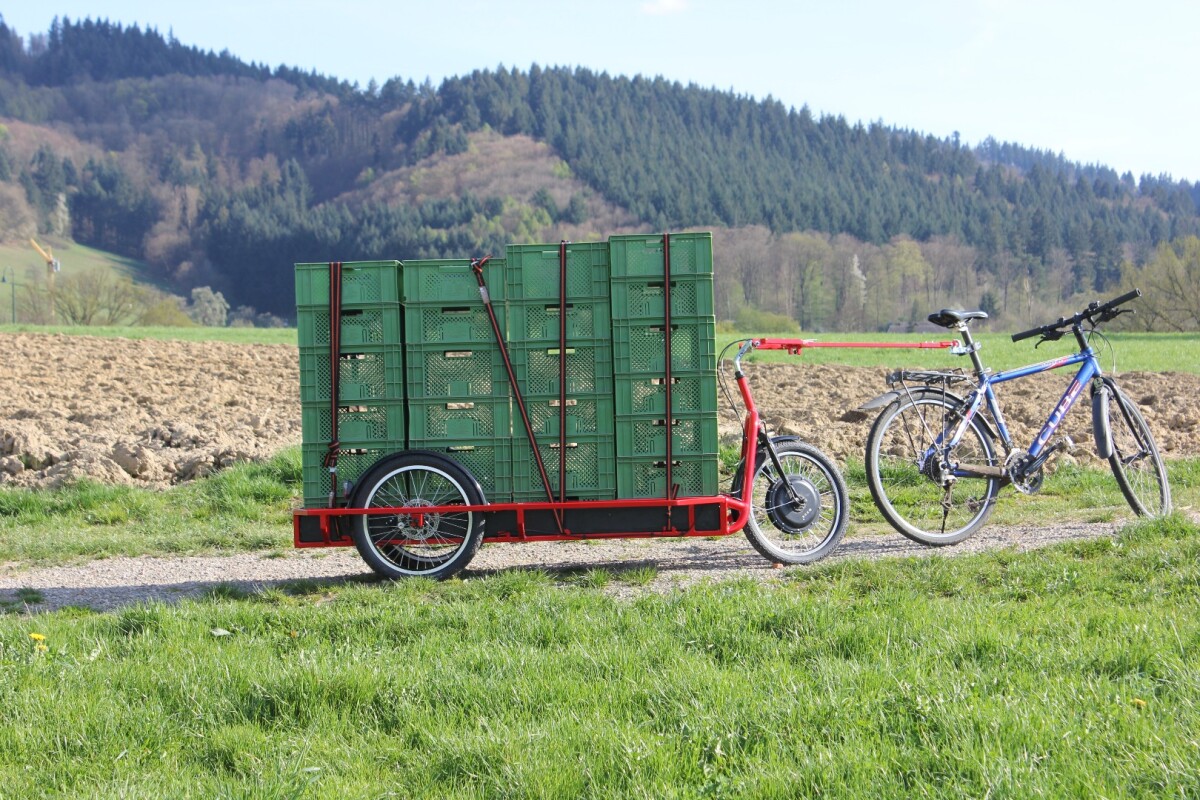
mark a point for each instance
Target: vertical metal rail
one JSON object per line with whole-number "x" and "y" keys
{"x": 562, "y": 370}
{"x": 671, "y": 487}
{"x": 335, "y": 376}
{"x": 477, "y": 267}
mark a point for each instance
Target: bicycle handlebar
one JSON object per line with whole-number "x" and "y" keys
{"x": 1094, "y": 309}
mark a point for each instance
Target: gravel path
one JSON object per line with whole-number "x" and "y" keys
{"x": 115, "y": 583}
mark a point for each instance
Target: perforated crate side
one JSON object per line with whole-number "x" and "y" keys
{"x": 362, "y": 282}
{"x": 376, "y": 324}
{"x": 533, "y": 270}
{"x": 691, "y": 435}
{"x": 459, "y": 418}
{"x": 589, "y": 367}
{"x": 591, "y": 464}
{"x": 640, "y": 346}
{"x": 433, "y": 323}
{"x": 691, "y": 254}
{"x": 587, "y": 414}
{"x": 459, "y": 371}
{"x": 356, "y": 458}
{"x": 488, "y": 460}
{"x": 645, "y": 298}
{"x": 450, "y": 281}
{"x": 368, "y": 373}
{"x": 374, "y": 421}
{"x": 696, "y": 476}
{"x": 691, "y": 392}
{"x": 537, "y": 321}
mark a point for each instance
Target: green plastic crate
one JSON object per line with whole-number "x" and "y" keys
{"x": 362, "y": 282}
{"x": 488, "y": 460}
{"x": 472, "y": 371}
{"x": 458, "y": 418}
{"x": 451, "y": 281}
{"x": 533, "y": 271}
{"x": 691, "y": 435}
{"x": 696, "y": 476}
{"x": 589, "y": 368}
{"x": 368, "y": 373}
{"x": 645, "y": 298}
{"x": 691, "y": 392}
{"x": 353, "y": 462}
{"x": 586, "y": 414}
{"x": 642, "y": 255}
{"x": 538, "y": 321}
{"x": 374, "y": 421}
{"x": 426, "y": 323}
{"x": 591, "y": 467}
{"x": 370, "y": 325}
{"x": 640, "y": 346}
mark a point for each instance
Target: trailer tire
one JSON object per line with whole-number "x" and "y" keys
{"x": 397, "y": 545}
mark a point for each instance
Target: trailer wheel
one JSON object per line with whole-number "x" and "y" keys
{"x": 412, "y": 544}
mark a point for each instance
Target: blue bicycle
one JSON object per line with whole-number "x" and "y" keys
{"x": 932, "y": 465}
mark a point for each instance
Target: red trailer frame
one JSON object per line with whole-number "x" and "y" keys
{"x": 732, "y": 510}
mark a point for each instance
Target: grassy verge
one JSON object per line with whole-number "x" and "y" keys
{"x": 1073, "y": 671}
{"x": 248, "y": 508}
{"x": 196, "y": 334}
{"x": 1147, "y": 352}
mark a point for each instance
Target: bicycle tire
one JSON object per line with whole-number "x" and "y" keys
{"x": 786, "y": 533}
{"x": 906, "y": 486}
{"x": 437, "y": 547}
{"x": 1135, "y": 460}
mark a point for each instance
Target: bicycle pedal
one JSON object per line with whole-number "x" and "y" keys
{"x": 1066, "y": 443}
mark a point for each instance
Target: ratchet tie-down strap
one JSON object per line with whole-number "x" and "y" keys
{"x": 477, "y": 266}
{"x": 671, "y": 486}
{"x": 335, "y": 347}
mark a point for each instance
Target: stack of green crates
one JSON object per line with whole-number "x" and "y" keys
{"x": 640, "y": 371}
{"x": 371, "y": 409}
{"x": 532, "y": 288}
{"x": 456, "y": 384}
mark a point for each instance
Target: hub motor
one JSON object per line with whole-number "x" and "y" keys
{"x": 787, "y": 514}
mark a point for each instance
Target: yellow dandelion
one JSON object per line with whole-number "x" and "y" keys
{"x": 38, "y": 637}
{"x": 293, "y": 634}
{"x": 41, "y": 648}
{"x": 1139, "y": 702}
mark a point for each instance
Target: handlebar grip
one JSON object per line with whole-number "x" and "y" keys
{"x": 1016, "y": 337}
{"x": 1123, "y": 299}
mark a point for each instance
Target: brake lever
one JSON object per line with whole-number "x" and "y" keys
{"x": 1049, "y": 336}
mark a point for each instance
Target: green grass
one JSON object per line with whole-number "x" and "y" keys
{"x": 1147, "y": 352}
{"x": 193, "y": 334}
{"x": 1073, "y": 671}
{"x": 74, "y": 257}
{"x": 244, "y": 508}
{"x": 247, "y": 508}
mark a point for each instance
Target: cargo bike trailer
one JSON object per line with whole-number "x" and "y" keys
{"x": 420, "y": 513}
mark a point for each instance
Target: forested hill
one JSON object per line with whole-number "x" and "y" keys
{"x": 220, "y": 172}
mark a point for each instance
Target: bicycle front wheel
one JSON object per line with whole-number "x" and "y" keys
{"x": 1135, "y": 460}
{"x": 927, "y": 498}
{"x": 797, "y": 516}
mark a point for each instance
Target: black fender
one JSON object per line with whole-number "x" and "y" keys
{"x": 887, "y": 398}
{"x": 1102, "y": 391}
{"x": 759, "y": 458}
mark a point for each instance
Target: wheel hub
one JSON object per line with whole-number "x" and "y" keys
{"x": 793, "y": 516}
{"x": 408, "y": 523}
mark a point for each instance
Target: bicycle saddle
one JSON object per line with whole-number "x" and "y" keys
{"x": 949, "y": 317}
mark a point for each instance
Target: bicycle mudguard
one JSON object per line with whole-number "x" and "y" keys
{"x": 1100, "y": 429}
{"x": 887, "y": 398}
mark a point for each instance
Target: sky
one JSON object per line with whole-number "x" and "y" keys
{"x": 1108, "y": 82}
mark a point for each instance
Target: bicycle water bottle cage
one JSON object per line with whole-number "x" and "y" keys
{"x": 952, "y": 318}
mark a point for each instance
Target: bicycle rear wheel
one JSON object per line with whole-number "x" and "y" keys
{"x": 1135, "y": 461}
{"x": 908, "y": 481}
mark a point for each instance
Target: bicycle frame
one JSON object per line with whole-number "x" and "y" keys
{"x": 984, "y": 392}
